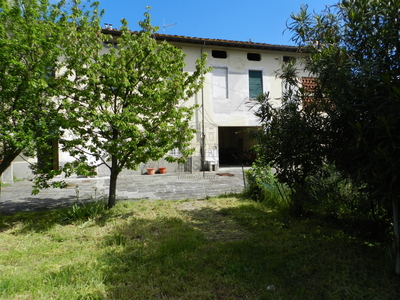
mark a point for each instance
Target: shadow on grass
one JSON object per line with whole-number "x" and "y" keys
{"x": 216, "y": 249}
{"x": 44, "y": 219}
{"x": 171, "y": 259}
{"x": 30, "y": 221}
{"x": 240, "y": 253}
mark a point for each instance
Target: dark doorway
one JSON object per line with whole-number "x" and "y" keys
{"x": 235, "y": 146}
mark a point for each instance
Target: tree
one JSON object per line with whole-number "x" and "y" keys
{"x": 39, "y": 47}
{"x": 133, "y": 107}
{"x": 290, "y": 138}
{"x": 353, "y": 53}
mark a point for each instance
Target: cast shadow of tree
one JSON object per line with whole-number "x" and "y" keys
{"x": 41, "y": 215}
{"x": 204, "y": 255}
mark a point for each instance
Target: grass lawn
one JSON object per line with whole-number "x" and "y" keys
{"x": 220, "y": 248}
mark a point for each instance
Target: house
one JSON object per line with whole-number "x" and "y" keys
{"x": 241, "y": 71}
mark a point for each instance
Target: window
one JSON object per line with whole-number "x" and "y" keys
{"x": 219, "y": 54}
{"x": 175, "y": 153}
{"x": 254, "y": 56}
{"x": 255, "y": 84}
{"x": 288, "y": 58}
{"x": 220, "y": 83}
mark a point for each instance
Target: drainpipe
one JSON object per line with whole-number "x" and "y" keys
{"x": 203, "y": 136}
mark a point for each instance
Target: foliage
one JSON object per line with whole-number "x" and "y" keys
{"x": 223, "y": 248}
{"x": 289, "y": 139}
{"x": 133, "y": 107}
{"x": 349, "y": 120}
{"x": 333, "y": 196}
{"x": 261, "y": 185}
{"x": 353, "y": 54}
{"x": 84, "y": 211}
{"x": 34, "y": 82}
{"x": 256, "y": 177}
{"x": 329, "y": 195}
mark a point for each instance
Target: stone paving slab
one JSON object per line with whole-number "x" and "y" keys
{"x": 17, "y": 196}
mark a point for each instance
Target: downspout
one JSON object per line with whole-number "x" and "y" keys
{"x": 203, "y": 136}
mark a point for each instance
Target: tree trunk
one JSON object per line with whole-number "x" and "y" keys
{"x": 396, "y": 229}
{"x": 113, "y": 182}
{"x": 7, "y": 160}
{"x": 47, "y": 156}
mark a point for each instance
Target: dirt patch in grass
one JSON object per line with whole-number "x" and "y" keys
{"x": 226, "y": 174}
{"x": 213, "y": 222}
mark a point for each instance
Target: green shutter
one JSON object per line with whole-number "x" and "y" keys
{"x": 255, "y": 84}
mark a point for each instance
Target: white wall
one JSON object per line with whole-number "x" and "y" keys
{"x": 219, "y": 110}
{"x": 231, "y": 108}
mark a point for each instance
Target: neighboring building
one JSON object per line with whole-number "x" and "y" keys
{"x": 241, "y": 71}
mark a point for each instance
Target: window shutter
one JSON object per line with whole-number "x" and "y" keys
{"x": 255, "y": 84}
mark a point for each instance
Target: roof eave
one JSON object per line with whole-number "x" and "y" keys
{"x": 213, "y": 42}
{"x": 226, "y": 43}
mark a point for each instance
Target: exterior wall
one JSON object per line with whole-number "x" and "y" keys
{"x": 225, "y": 111}
{"x": 230, "y": 109}
{"x": 19, "y": 170}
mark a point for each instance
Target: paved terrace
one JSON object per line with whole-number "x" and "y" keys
{"x": 17, "y": 196}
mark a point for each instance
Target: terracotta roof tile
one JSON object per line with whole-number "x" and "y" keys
{"x": 214, "y": 42}
{"x": 221, "y": 42}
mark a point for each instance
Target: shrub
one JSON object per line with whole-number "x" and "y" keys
{"x": 262, "y": 186}
{"x": 85, "y": 211}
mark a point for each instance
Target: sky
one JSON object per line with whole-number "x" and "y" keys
{"x": 262, "y": 21}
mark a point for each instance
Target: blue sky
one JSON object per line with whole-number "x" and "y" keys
{"x": 259, "y": 20}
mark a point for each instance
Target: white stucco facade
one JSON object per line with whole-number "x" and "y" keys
{"x": 224, "y": 115}
{"x": 227, "y": 115}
